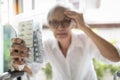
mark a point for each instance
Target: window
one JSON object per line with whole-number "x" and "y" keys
{"x": 18, "y": 5}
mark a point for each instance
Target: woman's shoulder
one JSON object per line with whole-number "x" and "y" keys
{"x": 79, "y": 34}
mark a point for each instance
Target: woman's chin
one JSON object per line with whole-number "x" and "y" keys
{"x": 61, "y": 36}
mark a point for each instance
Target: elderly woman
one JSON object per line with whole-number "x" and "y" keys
{"x": 71, "y": 54}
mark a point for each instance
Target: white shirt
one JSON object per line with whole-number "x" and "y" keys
{"x": 78, "y": 63}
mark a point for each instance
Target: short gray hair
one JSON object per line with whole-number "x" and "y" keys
{"x": 58, "y": 6}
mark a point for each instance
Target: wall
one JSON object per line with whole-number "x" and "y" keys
{"x": 110, "y": 34}
{"x": 1, "y": 49}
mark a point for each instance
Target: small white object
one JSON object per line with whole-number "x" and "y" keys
{"x": 21, "y": 67}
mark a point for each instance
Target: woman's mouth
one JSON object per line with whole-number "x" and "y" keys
{"x": 61, "y": 33}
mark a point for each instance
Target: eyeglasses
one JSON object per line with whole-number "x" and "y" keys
{"x": 64, "y": 23}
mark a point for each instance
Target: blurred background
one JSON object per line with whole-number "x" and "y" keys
{"x": 103, "y": 16}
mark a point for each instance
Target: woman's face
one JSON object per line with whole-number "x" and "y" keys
{"x": 60, "y": 24}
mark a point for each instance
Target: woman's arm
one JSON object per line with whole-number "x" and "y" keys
{"x": 106, "y": 48}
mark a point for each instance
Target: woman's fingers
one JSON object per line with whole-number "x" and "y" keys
{"x": 18, "y": 63}
{"x": 18, "y": 49}
{"x": 19, "y": 53}
{"x": 77, "y": 17}
{"x": 17, "y": 41}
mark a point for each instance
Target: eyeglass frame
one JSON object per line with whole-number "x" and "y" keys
{"x": 63, "y": 24}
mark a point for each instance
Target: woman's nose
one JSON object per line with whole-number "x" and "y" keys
{"x": 60, "y": 26}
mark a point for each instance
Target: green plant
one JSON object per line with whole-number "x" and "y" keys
{"x": 48, "y": 71}
{"x": 102, "y": 68}
{"x": 7, "y": 43}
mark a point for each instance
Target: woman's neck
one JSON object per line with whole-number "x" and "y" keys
{"x": 64, "y": 43}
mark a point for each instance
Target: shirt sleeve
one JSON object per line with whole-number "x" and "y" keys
{"x": 118, "y": 49}
{"x": 36, "y": 67}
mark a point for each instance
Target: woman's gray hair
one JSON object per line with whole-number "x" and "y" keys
{"x": 65, "y": 6}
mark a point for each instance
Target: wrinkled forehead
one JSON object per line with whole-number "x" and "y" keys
{"x": 57, "y": 14}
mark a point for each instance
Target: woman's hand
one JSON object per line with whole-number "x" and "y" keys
{"x": 19, "y": 53}
{"x": 77, "y": 17}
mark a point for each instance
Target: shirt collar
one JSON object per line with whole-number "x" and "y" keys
{"x": 76, "y": 40}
